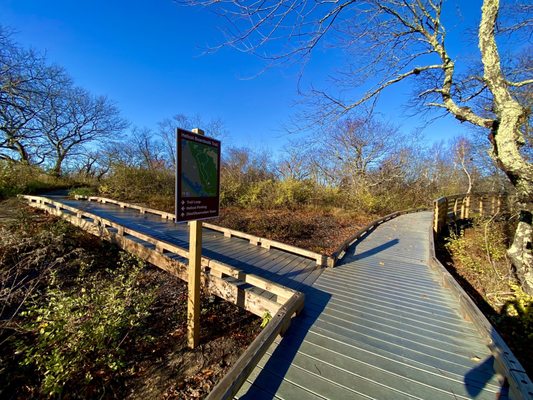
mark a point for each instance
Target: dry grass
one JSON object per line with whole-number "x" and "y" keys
{"x": 314, "y": 229}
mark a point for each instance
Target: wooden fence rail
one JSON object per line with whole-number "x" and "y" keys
{"x": 287, "y": 303}
{"x": 464, "y": 206}
{"x": 226, "y": 281}
{"x": 320, "y": 259}
{"x": 167, "y": 257}
{"x": 505, "y": 362}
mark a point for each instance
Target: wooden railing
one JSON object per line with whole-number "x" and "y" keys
{"x": 320, "y": 259}
{"x": 286, "y": 304}
{"x": 464, "y": 206}
{"x": 167, "y": 257}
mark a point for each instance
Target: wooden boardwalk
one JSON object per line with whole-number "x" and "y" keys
{"x": 279, "y": 266}
{"x": 377, "y": 326}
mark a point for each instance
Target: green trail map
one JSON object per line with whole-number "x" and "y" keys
{"x": 200, "y": 170}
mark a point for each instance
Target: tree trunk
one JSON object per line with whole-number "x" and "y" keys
{"x": 57, "y": 168}
{"x": 520, "y": 251}
{"x": 506, "y": 153}
{"x": 507, "y": 138}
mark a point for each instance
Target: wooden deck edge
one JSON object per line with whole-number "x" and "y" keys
{"x": 506, "y": 363}
{"x": 228, "y": 387}
{"x": 341, "y": 250}
{"x": 320, "y": 259}
{"x": 212, "y": 271}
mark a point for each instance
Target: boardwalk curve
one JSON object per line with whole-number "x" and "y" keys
{"x": 381, "y": 327}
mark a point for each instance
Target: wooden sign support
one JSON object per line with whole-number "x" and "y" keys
{"x": 195, "y": 257}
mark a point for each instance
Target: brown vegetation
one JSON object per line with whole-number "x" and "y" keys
{"x": 313, "y": 229}
{"x": 477, "y": 257}
{"x": 61, "y": 286}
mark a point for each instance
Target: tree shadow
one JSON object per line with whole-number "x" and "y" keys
{"x": 374, "y": 250}
{"x": 477, "y": 378}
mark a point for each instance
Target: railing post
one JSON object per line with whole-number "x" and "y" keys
{"x": 440, "y": 214}
{"x": 195, "y": 260}
{"x": 465, "y": 207}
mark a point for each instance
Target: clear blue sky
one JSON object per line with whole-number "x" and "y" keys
{"x": 148, "y": 58}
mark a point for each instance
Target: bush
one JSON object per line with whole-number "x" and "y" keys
{"x": 35, "y": 249}
{"x": 20, "y": 178}
{"x": 268, "y": 194}
{"x": 293, "y": 193}
{"x": 83, "y": 191}
{"x": 481, "y": 248}
{"x": 79, "y": 332}
{"x": 138, "y": 183}
{"x": 479, "y": 257}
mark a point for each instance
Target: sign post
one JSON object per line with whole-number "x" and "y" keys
{"x": 197, "y": 198}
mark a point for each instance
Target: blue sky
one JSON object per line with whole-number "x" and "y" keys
{"x": 148, "y": 57}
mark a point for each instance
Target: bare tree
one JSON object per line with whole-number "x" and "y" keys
{"x": 26, "y": 84}
{"x": 148, "y": 148}
{"x": 74, "y": 119}
{"x": 296, "y": 162}
{"x": 92, "y": 164}
{"x": 463, "y": 157}
{"x": 167, "y": 131}
{"x": 363, "y": 152}
{"x": 401, "y": 39}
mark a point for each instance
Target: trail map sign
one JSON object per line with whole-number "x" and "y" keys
{"x": 197, "y": 177}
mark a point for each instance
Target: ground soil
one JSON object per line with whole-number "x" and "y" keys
{"x": 167, "y": 369}
{"x": 159, "y": 368}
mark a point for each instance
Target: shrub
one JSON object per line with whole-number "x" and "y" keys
{"x": 83, "y": 191}
{"x": 29, "y": 250}
{"x": 258, "y": 194}
{"x": 480, "y": 248}
{"x": 292, "y": 193}
{"x": 20, "y": 178}
{"x": 521, "y": 308}
{"x": 138, "y": 183}
{"x": 79, "y": 332}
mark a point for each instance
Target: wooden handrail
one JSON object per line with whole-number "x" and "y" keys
{"x": 520, "y": 385}
{"x": 213, "y": 270}
{"x": 464, "y": 206}
{"x": 289, "y": 302}
{"x": 320, "y": 259}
